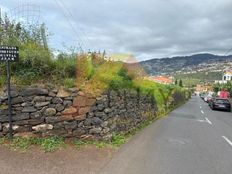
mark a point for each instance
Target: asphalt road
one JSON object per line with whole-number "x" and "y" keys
{"x": 193, "y": 139}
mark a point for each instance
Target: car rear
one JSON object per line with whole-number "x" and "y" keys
{"x": 221, "y": 104}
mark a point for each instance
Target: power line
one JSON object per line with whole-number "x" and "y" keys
{"x": 71, "y": 15}
{"x": 80, "y": 42}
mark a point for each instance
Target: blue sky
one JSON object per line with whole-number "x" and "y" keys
{"x": 144, "y": 28}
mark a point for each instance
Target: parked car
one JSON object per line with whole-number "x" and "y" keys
{"x": 208, "y": 98}
{"x": 220, "y": 104}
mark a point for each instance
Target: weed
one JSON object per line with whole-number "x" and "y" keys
{"x": 79, "y": 143}
{"x": 51, "y": 144}
{"x": 21, "y": 144}
{"x": 118, "y": 139}
{"x": 2, "y": 141}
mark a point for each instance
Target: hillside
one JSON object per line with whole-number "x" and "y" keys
{"x": 187, "y": 64}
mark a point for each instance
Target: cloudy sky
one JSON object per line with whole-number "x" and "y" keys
{"x": 144, "y": 28}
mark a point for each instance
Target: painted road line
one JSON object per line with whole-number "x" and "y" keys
{"x": 207, "y": 120}
{"x": 200, "y": 107}
{"x": 202, "y": 112}
{"x": 227, "y": 140}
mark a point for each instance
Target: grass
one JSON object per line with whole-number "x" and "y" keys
{"x": 49, "y": 144}
{"x": 2, "y": 141}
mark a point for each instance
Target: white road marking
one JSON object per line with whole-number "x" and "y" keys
{"x": 227, "y": 140}
{"x": 202, "y": 112}
{"x": 201, "y": 120}
{"x": 200, "y": 107}
{"x": 207, "y": 120}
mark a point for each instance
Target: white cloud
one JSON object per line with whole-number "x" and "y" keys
{"x": 145, "y": 28}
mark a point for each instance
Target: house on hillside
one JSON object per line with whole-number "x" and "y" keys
{"x": 162, "y": 79}
{"x": 227, "y": 76}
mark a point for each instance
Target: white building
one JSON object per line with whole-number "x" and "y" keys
{"x": 227, "y": 76}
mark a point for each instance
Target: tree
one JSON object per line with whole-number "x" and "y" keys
{"x": 176, "y": 82}
{"x": 180, "y": 83}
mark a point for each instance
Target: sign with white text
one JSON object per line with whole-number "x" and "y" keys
{"x": 9, "y": 54}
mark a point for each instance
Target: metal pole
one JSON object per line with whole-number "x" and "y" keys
{"x": 9, "y": 101}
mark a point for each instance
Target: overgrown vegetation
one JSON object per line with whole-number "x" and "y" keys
{"x": 191, "y": 80}
{"x": 37, "y": 62}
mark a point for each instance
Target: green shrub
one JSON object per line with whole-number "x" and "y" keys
{"x": 69, "y": 83}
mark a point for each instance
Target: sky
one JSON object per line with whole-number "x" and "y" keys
{"x": 144, "y": 28}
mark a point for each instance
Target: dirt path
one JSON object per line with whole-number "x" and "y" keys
{"x": 88, "y": 160}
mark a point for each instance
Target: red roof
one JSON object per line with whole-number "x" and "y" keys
{"x": 162, "y": 79}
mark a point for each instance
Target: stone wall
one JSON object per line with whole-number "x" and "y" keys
{"x": 71, "y": 113}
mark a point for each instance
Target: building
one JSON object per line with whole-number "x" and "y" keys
{"x": 204, "y": 88}
{"x": 162, "y": 79}
{"x": 227, "y": 76}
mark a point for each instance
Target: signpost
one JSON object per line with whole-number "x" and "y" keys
{"x": 9, "y": 54}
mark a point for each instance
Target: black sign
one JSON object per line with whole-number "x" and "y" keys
{"x": 9, "y": 53}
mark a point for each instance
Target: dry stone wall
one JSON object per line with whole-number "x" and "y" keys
{"x": 72, "y": 113}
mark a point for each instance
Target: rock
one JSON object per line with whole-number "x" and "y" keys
{"x": 57, "y": 100}
{"x": 90, "y": 114}
{"x": 90, "y": 102}
{"x": 41, "y": 104}
{"x": 34, "y": 91}
{"x": 69, "y": 111}
{"x": 7, "y": 126}
{"x": 39, "y": 99}
{"x": 73, "y": 90}
{"x": 80, "y": 93}
{"x": 80, "y": 117}
{"x": 50, "y": 112}
{"x": 29, "y": 109}
{"x": 14, "y": 94}
{"x": 51, "y": 94}
{"x": 0, "y": 126}
{"x": 104, "y": 124}
{"x": 87, "y": 122}
{"x": 84, "y": 110}
{"x": 107, "y": 110}
{"x": 70, "y": 125}
{"x": 52, "y": 119}
{"x": 17, "y": 100}
{"x": 79, "y": 101}
{"x": 59, "y": 107}
{"x": 48, "y": 98}
{"x": 95, "y": 130}
{"x": 66, "y": 117}
{"x": 96, "y": 121}
{"x": 43, "y": 127}
{"x": 22, "y": 116}
{"x": 100, "y": 114}
{"x": 36, "y": 115}
{"x": 62, "y": 93}
{"x": 78, "y": 132}
{"x": 67, "y": 103}
{"x": 27, "y": 104}
{"x": 100, "y": 107}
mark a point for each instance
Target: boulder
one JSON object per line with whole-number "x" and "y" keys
{"x": 50, "y": 112}
{"x": 29, "y": 109}
{"x": 34, "y": 91}
{"x": 84, "y": 110}
{"x": 57, "y": 100}
{"x": 43, "y": 127}
{"x": 79, "y": 101}
{"x": 95, "y": 130}
{"x": 69, "y": 111}
{"x": 62, "y": 93}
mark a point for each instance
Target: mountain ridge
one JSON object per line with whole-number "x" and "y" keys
{"x": 178, "y": 64}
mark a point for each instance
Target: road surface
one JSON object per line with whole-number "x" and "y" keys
{"x": 193, "y": 139}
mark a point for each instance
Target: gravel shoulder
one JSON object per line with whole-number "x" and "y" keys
{"x": 87, "y": 160}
